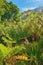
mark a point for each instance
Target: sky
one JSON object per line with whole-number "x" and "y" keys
{"x": 24, "y": 5}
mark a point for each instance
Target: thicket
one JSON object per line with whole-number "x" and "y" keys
{"x": 21, "y": 41}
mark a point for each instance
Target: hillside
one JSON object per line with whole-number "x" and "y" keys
{"x": 21, "y": 36}
{"x": 27, "y": 13}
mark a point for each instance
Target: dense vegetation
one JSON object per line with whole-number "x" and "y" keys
{"x": 21, "y": 36}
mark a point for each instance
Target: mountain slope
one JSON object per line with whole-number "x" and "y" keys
{"x": 26, "y": 14}
{"x": 39, "y": 9}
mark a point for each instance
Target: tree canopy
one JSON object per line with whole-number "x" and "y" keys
{"x": 8, "y": 10}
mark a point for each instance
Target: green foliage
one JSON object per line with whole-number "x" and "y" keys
{"x": 21, "y": 63}
{"x": 4, "y": 50}
{"x": 16, "y": 50}
{"x": 8, "y": 11}
{"x": 34, "y": 51}
{"x": 1, "y": 57}
{"x": 16, "y": 28}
